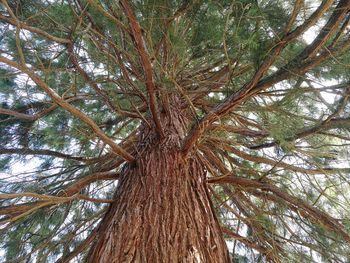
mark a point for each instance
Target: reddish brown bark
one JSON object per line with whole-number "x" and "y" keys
{"x": 162, "y": 211}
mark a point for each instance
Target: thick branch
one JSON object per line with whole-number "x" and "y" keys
{"x": 146, "y": 64}
{"x": 77, "y": 113}
{"x": 336, "y": 123}
{"x": 251, "y": 87}
{"x": 314, "y": 213}
{"x": 70, "y": 190}
{"x": 326, "y": 32}
{"x": 287, "y": 166}
{"x": 34, "y": 30}
{"x": 33, "y": 117}
{"x": 86, "y": 180}
{"x": 297, "y": 68}
{"x": 19, "y": 115}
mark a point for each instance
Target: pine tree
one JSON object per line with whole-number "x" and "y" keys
{"x": 174, "y": 131}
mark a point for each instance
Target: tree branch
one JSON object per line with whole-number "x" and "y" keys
{"x": 77, "y": 113}
{"x": 146, "y": 63}
{"x": 71, "y": 190}
{"x": 34, "y": 30}
{"x": 250, "y": 88}
{"x": 28, "y": 151}
{"x": 265, "y": 251}
{"x": 312, "y": 212}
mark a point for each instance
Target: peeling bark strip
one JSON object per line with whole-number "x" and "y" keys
{"x": 162, "y": 211}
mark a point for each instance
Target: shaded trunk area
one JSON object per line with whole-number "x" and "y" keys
{"x": 162, "y": 211}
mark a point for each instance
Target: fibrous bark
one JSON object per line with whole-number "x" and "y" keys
{"x": 162, "y": 211}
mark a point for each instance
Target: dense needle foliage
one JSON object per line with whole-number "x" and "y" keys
{"x": 267, "y": 85}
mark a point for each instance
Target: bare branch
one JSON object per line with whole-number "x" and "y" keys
{"x": 77, "y": 113}
{"x": 251, "y": 87}
{"x": 146, "y": 63}
{"x": 71, "y": 190}
{"x": 311, "y": 211}
{"x": 28, "y": 151}
{"x": 34, "y": 30}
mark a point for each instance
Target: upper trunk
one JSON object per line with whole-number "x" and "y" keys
{"x": 162, "y": 211}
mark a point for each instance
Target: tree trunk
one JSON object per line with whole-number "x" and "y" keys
{"x": 162, "y": 211}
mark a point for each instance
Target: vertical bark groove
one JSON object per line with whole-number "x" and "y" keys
{"x": 162, "y": 210}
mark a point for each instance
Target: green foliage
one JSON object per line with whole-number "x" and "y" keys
{"x": 240, "y": 259}
{"x": 206, "y": 53}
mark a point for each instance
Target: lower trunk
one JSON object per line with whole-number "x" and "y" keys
{"x": 162, "y": 211}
